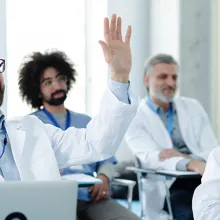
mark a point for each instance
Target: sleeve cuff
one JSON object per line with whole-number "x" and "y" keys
{"x": 107, "y": 169}
{"x": 120, "y": 90}
{"x": 182, "y": 164}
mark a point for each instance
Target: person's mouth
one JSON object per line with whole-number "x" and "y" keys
{"x": 168, "y": 91}
{"x": 58, "y": 95}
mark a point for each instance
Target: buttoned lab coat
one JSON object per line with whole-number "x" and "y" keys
{"x": 147, "y": 137}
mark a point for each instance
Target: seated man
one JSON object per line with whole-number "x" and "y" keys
{"x": 170, "y": 133}
{"x": 57, "y": 75}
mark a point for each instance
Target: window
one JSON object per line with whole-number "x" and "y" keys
{"x": 38, "y": 25}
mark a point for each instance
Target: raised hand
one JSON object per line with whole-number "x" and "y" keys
{"x": 117, "y": 52}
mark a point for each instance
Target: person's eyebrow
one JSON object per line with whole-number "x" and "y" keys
{"x": 45, "y": 79}
{"x": 49, "y": 78}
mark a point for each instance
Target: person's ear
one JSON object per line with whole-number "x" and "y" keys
{"x": 146, "y": 81}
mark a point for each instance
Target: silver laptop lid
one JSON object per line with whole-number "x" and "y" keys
{"x": 45, "y": 200}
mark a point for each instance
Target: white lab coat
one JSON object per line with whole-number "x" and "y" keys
{"x": 147, "y": 136}
{"x": 40, "y": 150}
{"x": 206, "y": 199}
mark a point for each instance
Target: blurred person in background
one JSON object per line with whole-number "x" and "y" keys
{"x": 171, "y": 133}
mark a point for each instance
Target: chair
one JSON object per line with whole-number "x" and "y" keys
{"x": 127, "y": 183}
{"x": 142, "y": 173}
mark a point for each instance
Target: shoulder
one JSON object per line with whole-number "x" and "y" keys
{"x": 31, "y": 119}
{"x": 41, "y": 115}
{"x": 28, "y": 121}
{"x": 189, "y": 103}
{"x": 38, "y": 113}
{"x": 187, "y": 100}
{"x": 80, "y": 116}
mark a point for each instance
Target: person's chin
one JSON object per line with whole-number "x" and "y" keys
{"x": 166, "y": 98}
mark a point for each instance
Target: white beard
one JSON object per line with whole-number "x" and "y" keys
{"x": 159, "y": 95}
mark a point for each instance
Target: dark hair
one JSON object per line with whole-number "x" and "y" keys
{"x": 32, "y": 69}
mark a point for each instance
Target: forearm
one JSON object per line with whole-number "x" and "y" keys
{"x": 102, "y": 137}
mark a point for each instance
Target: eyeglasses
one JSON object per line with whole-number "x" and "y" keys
{"x": 2, "y": 65}
{"x": 47, "y": 83}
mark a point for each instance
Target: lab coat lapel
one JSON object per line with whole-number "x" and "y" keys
{"x": 33, "y": 154}
{"x": 17, "y": 140}
{"x": 156, "y": 126}
{"x": 183, "y": 119}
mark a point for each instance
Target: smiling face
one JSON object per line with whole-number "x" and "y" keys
{"x": 53, "y": 87}
{"x": 162, "y": 81}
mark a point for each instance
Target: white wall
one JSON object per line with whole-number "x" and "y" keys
{"x": 197, "y": 55}
{"x": 196, "y": 50}
{"x": 96, "y": 67}
{"x": 136, "y": 14}
{"x": 3, "y": 43}
{"x": 164, "y": 31}
{"x": 216, "y": 64}
{"x": 28, "y": 32}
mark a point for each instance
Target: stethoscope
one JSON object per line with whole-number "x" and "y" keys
{"x": 5, "y": 136}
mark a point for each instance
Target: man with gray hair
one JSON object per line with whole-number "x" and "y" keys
{"x": 171, "y": 133}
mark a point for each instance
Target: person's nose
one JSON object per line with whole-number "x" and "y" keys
{"x": 171, "y": 82}
{"x": 56, "y": 85}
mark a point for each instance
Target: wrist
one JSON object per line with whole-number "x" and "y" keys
{"x": 191, "y": 165}
{"x": 103, "y": 177}
{"x": 120, "y": 77}
{"x": 188, "y": 166}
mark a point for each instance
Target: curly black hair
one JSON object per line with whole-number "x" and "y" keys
{"x": 31, "y": 71}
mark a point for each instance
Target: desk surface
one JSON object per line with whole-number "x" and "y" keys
{"x": 170, "y": 173}
{"x": 82, "y": 179}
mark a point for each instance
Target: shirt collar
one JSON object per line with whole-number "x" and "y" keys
{"x": 158, "y": 108}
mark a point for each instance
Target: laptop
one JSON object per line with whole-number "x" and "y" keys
{"x": 34, "y": 200}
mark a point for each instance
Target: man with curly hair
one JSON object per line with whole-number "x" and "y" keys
{"x": 32, "y": 150}
{"x": 44, "y": 81}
